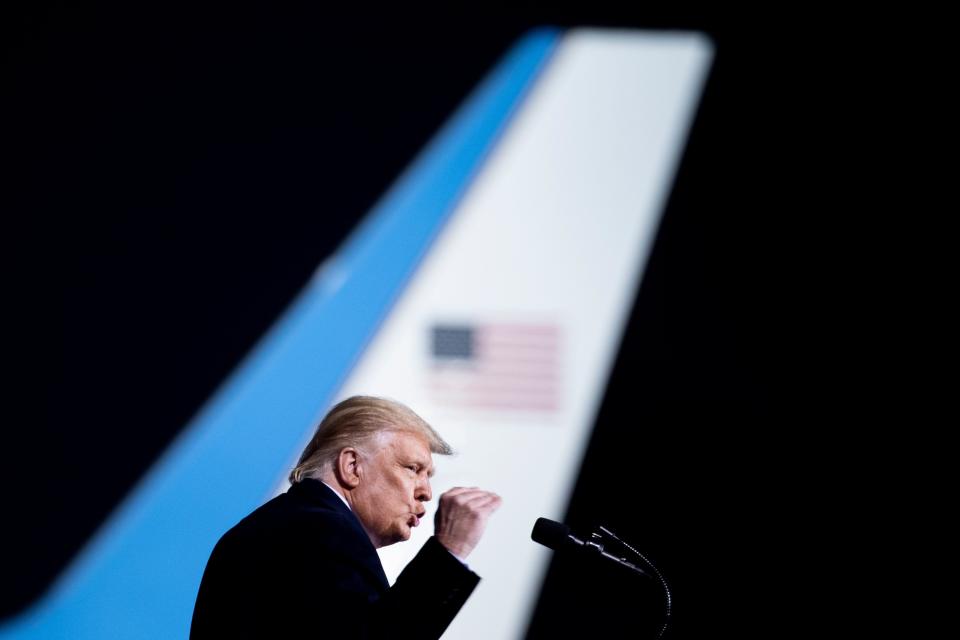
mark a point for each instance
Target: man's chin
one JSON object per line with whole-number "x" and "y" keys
{"x": 401, "y": 536}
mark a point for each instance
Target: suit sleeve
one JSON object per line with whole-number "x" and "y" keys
{"x": 328, "y": 594}
{"x": 429, "y": 592}
{"x": 422, "y": 603}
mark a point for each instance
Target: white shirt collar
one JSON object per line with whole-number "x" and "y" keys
{"x": 339, "y": 495}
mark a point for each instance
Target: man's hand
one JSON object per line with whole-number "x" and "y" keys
{"x": 462, "y": 517}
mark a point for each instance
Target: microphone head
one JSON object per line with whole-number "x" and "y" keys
{"x": 551, "y": 534}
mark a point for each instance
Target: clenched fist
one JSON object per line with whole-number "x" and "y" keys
{"x": 461, "y": 518}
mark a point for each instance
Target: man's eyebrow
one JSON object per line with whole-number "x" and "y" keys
{"x": 423, "y": 465}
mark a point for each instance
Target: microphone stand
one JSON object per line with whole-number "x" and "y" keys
{"x": 594, "y": 543}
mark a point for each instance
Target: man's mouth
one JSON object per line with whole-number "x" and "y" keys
{"x": 414, "y": 521}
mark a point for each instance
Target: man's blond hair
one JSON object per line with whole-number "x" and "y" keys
{"x": 353, "y": 423}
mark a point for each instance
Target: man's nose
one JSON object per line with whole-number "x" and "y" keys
{"x": 424, "y": 491}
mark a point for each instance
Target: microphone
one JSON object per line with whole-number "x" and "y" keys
{"x": 554, "y": 535}
{"x": 557, "y": 536}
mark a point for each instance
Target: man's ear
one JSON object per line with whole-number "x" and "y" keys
{"x": 348, "y": 467}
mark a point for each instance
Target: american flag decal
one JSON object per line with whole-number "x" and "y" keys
{"x": 496, "y": 366}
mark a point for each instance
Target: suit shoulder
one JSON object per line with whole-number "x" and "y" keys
{"x": 284, "y": 521}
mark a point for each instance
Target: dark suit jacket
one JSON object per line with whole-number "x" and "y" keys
{"x": 302, "y": 566}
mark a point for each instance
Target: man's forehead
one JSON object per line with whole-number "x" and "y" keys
{"x": 410, "y": 444}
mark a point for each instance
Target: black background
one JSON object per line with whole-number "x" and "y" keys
{"x": 173, "y": 176}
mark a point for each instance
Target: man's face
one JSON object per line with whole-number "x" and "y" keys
{"x": 395, "y": 482}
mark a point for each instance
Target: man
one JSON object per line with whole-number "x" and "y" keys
{"x": 305, "y": 563}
